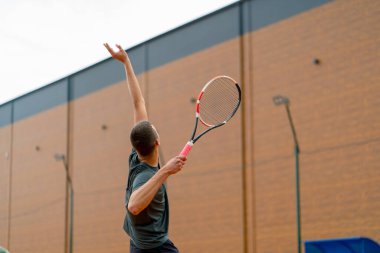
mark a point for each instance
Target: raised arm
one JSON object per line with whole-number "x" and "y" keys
{"x": 139, "y": 107}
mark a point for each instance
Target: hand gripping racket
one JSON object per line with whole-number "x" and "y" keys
{"x": 217, "y": 103}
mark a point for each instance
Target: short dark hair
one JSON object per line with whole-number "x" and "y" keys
{"x": 143, "y": 138}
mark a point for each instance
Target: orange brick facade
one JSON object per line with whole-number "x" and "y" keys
{"x": 236, "y": 193}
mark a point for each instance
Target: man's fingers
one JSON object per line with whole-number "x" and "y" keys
{"x": 119, "y": 47}
{"x": 180, "y": 161}
{"x": 182, "y": 158}
{"x": 109, "y": 48}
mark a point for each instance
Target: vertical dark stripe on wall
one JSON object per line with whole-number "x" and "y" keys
{"x": 243, "y": 148}
{"x": 6, "y": 119}
{"x": 68, "y": 157}
{"x": 250, "y": 88}
{"x": 10, "y": 177}
{"x": 247, "y": 125}
{"x": 146, "y": 76}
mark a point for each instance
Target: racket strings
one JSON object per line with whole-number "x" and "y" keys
{"x": 214, "y": 113}
{"x": 219, "y": 101}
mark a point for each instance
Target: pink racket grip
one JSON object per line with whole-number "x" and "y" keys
{"x": 185, "y": 151}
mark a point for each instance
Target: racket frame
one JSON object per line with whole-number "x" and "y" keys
{"x": 198, "y": 117}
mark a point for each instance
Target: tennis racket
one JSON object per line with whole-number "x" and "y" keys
{"x": 217, "y": 103}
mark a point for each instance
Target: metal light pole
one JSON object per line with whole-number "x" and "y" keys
{"x": 62, "y": 157}
{"x": 281, "y": 100}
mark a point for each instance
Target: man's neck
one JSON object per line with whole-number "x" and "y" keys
{"x": 151, "y": 160}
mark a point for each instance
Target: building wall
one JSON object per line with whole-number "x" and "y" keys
{"x": 209, "y": 188}
{"x": 237, "y": 191}
{"x": 38, "y": 183}
{"x": 99, "y": 160}
{"x": 336, "y": 114}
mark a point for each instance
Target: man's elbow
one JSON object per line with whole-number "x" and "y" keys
{"x": 133, "y": 209}
{"x": 139, "y": 103}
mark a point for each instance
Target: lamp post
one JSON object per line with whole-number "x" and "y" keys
{"x": 278, "y": 101}
{"x": 69, "y": 187}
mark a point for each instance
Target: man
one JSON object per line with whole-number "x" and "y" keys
{"x": 3, "y": 250}
{"x": 147, "y": 217}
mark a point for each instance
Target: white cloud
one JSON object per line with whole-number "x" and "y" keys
{"x": 45, "y": 40}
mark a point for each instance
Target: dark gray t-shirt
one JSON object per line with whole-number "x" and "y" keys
{"x": 148, "y": 229}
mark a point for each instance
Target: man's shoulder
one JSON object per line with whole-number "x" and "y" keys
{"x": 133, "y": 157}
{"x": 142, "y": 170}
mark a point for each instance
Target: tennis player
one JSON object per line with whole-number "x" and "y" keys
{"x": 147, "y": 217}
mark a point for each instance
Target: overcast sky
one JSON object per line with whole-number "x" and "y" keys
{"x": 42, "y": 41}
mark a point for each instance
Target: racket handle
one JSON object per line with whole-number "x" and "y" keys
{"x": 186, "y": 149}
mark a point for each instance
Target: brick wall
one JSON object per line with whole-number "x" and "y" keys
{"x": 237, "y": 192}
{"x": 336, "y": 114}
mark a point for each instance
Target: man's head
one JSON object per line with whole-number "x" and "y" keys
{"x": 144, "y": 138}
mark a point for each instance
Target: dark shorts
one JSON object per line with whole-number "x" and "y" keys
{"x": 167, "y": 247}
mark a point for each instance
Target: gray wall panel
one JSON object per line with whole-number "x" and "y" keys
{"x": 5, "y": 114}
{"x": 203, "y": 33}
{"x": 266, "y": 12}
{"x": 41, "y": 100}
{"x": 105, "y": 73}
{"x": 138, "y": 58}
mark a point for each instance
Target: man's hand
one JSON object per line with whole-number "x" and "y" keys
{"x": 174, "y": 165}
{"x": 121, "y": 55}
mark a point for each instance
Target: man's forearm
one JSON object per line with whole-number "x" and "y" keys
{"x": 133, "y": 83}
{"x": 140, "y": 112}
{"x": 135, "y": 92}
{"x": 142, "y": 197}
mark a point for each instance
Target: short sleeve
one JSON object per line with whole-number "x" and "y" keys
{"x": 142, "y": 178}
{"x": 133, "y": 158}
